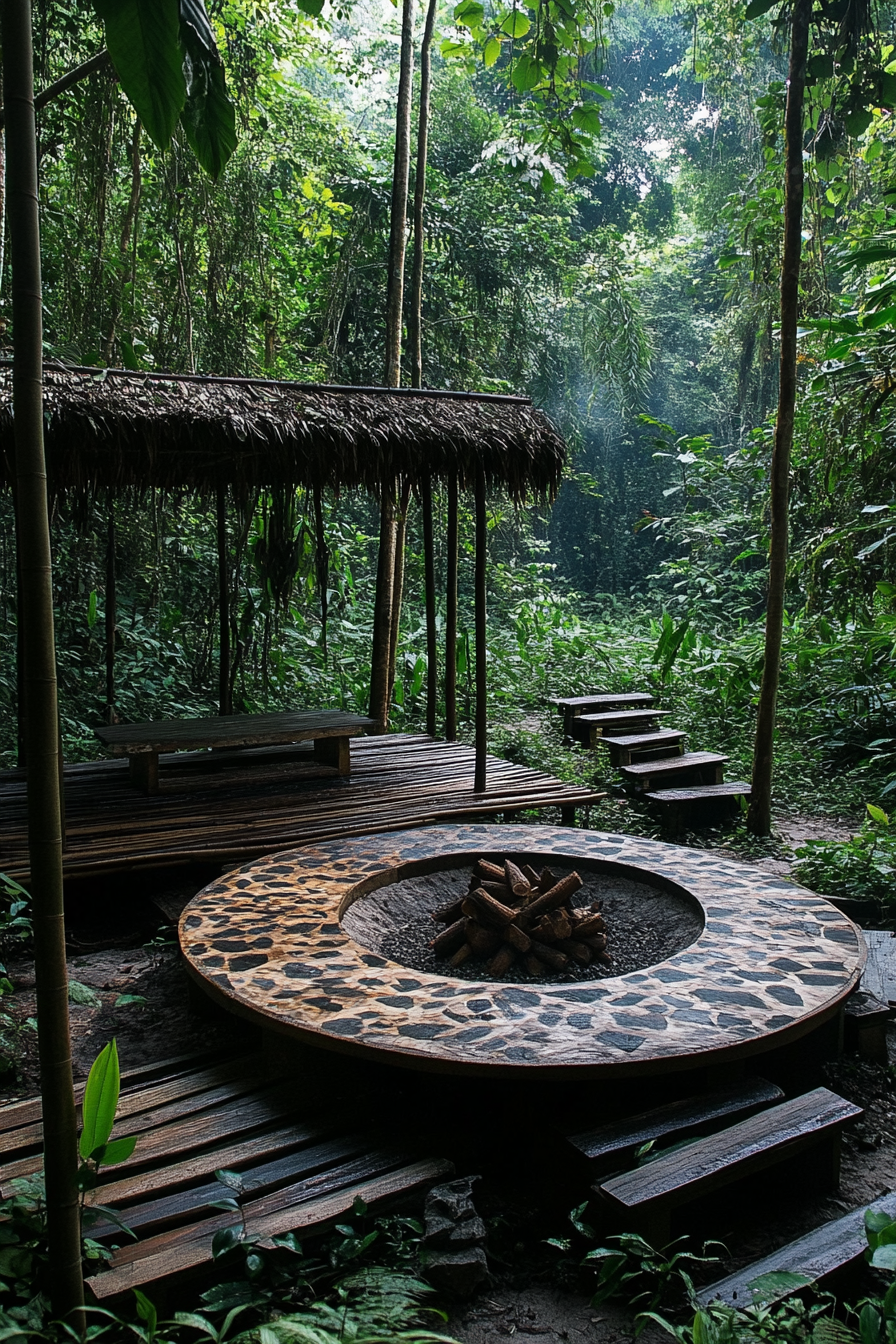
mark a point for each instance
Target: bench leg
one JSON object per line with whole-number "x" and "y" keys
{"x": 143, "y": 768}
{"x": 333, "y": 751}
{"x": 568, "y": 815}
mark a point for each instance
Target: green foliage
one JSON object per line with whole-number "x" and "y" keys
{"x": 95, "y": 1146}
{"x": 858, "y": 869}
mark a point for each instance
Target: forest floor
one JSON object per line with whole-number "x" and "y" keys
{"x": 132, "y": 985}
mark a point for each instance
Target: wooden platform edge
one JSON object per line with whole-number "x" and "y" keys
{"x": 821, "y": 1252}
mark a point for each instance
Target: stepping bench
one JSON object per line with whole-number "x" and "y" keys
{"x": 645, "y": 1197}
{"x": 592, "y": 727}
{"x": 879, "y": 977}
{"x": 664, "y": 742}
{"x": 834, "y": 1246}
{"x": 619, "y": 1140}
{"x": 302, "y": 1170}
{"x": 865, "y": 1021}
{"x": 697, "y": 767}
{"x": 678, "y": 805}
{"x": 572, "y": 706}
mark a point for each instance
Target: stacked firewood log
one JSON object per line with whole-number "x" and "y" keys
{"x": 512, "y": 913}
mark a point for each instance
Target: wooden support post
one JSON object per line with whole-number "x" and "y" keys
{"x": 429, "y": 585}
{"x": 480, "y": 620}
{"x": 224, "y": 701}
{"x": 21, "y": 681}
{"x": 451, "y": 614}
{"x": 111, "y": 612}
{"x": 322, "y": 559}
{"x": 382, "y": 611}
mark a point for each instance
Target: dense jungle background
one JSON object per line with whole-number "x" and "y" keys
{"x": 637, "y": 304}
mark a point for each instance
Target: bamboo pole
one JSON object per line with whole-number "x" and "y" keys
{"x": 415, "y": 310}
{"x": 451, "y": 613}
{"x": 480, "y": 622}
{"x": 111, "y": 615}
{"x": 36, "y": 610}
{"x": 401, "y": 532}
{"x": 225, "y": 703}
{"x": 382, "y": 611}
{"x": 429, "y": 585}
{"x": 323, "y": 567}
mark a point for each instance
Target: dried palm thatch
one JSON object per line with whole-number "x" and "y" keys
{"x": 115, "y": 429}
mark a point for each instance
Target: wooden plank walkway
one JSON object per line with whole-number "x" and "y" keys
{"x": 209, "y": 809}
{"x": 301, "y": 1168}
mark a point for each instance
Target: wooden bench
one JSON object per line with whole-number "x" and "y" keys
{"x": 865, "y": 1021}
{"x": 618, "y": 1141}
{"x": 302, "y": 1170}
{"x": 646, "y": 1196}
{"x": 834, "y": 1246}
{"x": 328, "y": 730}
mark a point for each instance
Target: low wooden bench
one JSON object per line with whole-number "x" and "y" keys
{"x": 619, "y": 1140}
{"x": 646, "y": 1196}
{"x": 832, "y": 1247}
{"x": 302, "y": 1171}
{"x": 865, "y": 1021}
{"x": 328, "y": 730}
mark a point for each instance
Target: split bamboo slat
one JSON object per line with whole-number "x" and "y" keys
{"x": 209, "y": 811}
{"x": 302, "y": 1171}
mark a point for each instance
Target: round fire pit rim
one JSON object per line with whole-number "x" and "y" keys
{"x": 604, "y": 1036}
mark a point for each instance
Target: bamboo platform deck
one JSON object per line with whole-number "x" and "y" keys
{"x": 218, "y": 807}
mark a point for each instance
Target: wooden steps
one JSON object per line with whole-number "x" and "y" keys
{"x": 592, "y": 727}
{"x": 649, "y": 757}
{"x": 646, "y": 1197}
{"x": 621, "y": 1139}
{"x": 302, "y": 1170}
{"x": 817, "y": 1255}
{"x": 571, "y": 707}
{"x": 697, "y": 767}
{"x": 653, "y": 746}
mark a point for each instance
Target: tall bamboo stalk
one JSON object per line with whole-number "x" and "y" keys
{"x": 36, "y": 610}
{"x": 322, "y": 559}
{"x": 481, "y": 637}
{"x": 382, "y": 611}
{"x": 401, "y": 532}
{"x": 225, "y": 693}
{"x": 111, "y": 614}
{"x": 429, "y": 586}
{"x": 451, "y": 613}
{"x": 759, "y": 817}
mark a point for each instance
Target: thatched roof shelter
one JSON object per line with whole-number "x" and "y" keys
{"x": 114, "y": 428}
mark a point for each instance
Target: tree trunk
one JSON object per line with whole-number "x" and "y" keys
{"x": 225, "y": 684}
{"x": 429, "y": 584}
{"x": 398, "y": 222}
{"x": 415, "y": 312}
{"x": 381, "y": 653}
{"x": 759, "y": 816}
{"x": 36, "y": 610}
{"x": 451, "y": 613}
{"x": 481, "y": 636}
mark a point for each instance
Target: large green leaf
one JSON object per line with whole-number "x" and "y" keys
{"x": 208, "y": 117}
{"x": 100, "y": 1101}
{"x": 143, "y": 41}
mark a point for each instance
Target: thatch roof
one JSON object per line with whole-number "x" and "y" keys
{"x": 113, "y": 428}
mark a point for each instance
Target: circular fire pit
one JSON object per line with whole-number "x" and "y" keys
{"x": 287, "y": 941}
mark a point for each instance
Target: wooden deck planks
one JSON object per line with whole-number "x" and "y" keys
{"x": 397, "y": 781}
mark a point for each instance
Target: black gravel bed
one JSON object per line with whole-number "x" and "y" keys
{"x": 644, "y": 925}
